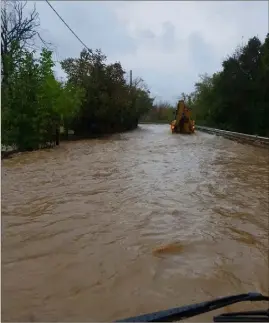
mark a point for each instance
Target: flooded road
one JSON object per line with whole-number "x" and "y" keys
{"x": 81, "y": 224}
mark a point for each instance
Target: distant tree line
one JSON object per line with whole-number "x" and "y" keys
{"x": 95, "y": 98}
{"x": 236, "y": 98}
{"x": 161, "y": 112}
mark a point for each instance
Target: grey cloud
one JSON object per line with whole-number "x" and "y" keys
{"x": 202, "y": 54}
{"x": 146, "y": 33}
{"x": 168, "y": 36}
{"x": 97, "y": 25}
{"x": 166, "y": 40}
{"x": 93, "y": 22}
{"x": 168, "y": 84}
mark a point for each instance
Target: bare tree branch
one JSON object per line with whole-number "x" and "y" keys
{"x": 17, "y": 28}
{"x": 141, "y": 84}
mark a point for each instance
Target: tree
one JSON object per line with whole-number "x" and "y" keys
{"x": 110, "y": 104}
{"x": 161, "y": 112}
{"x": 36, "y": 103}
{"x": 95, "y": 98}
{"x": 17, "y": 30}
{"x": 236, "y": 98}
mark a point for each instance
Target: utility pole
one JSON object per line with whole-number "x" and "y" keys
{"x": 131, "y": 78}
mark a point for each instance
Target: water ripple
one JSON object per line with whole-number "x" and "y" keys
{"x": 80, "y": 224}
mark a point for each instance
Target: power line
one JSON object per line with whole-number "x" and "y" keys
{"x": 131, "y": 77}
{"x": 69, "y": 27}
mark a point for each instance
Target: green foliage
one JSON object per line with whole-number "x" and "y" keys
{"x": 162, "y": 112}
{"x": 33, "y": 101}
{"x": 110, "y": 104}
{"x": 35, "y": 105}
{"x": 237, "y": 97}
{"x": 96, "y": 98}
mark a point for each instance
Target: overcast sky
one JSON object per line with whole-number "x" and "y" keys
{"x": 166, "y": 43}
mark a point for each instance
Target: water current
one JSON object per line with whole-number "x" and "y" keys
{"x": 81, "y": 224}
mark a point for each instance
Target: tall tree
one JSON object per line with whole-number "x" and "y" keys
{"x": 236, "y": 98}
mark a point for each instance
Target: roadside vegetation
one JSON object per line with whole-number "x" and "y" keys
{"x": 235, "y": 98}
{"x": 95, "y": 98}
{"x": 162, "y": 112}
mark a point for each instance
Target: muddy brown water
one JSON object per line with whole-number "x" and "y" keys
{"x": 81, "y": 224}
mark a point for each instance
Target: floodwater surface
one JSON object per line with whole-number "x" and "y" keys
{"x": 99, "y": 230}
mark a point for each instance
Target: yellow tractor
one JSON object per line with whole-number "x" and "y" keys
{"x": 183, "y": 122}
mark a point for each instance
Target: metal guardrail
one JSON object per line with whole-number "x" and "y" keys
{"x": 262, "y": 141}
